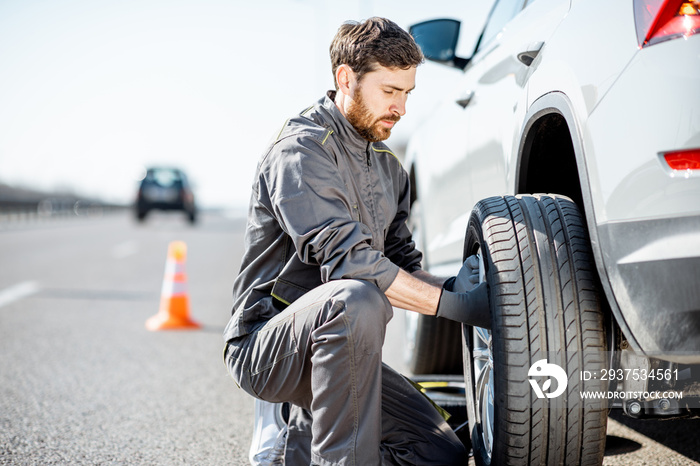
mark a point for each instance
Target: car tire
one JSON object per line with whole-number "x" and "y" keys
{"x": 430, "y": 345}
{"x": 192, "y": 217}
{"x": 430, "y": 341}
{"x": 545, "y": 303}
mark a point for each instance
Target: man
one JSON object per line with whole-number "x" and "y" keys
{"x": 328, "y": 254}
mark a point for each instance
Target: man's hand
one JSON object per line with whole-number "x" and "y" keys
{"x": 469, "y": 307}
{"x": 471, "y": 266}
{"x": 422, "y": 292}
{"x": 468, "y": 276}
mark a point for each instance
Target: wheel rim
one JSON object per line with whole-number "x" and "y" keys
{"x": 483, "y": 370}
{"x": 482, "y": 360}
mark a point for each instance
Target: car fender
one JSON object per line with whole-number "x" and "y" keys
{"x": 560, "y": 104}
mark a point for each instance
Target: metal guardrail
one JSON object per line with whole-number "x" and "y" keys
{"x": 21, "y": 211}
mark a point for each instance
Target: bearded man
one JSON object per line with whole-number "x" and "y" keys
{"x": 328, "y": 254}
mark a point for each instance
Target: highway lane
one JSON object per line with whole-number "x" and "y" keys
{"x": 83, "y": 382}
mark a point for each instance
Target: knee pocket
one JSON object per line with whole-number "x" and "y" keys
{"x": 275, "y": 342}
{"x": 365, "y": 300}
{"x": 267, "y": 354}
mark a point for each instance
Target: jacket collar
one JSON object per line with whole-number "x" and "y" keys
{"x": 346, "y": 133}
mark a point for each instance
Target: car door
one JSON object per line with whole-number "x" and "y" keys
{"x": 476, "y": 146}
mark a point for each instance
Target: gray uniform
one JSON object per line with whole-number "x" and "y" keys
{"x": 326, "y": 236}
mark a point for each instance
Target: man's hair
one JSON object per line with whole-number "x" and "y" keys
{"x": 376, "y": 41}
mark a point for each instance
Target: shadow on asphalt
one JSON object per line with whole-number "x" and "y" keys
{"x": 680, "y": 435}
{"x": 619, "y": 446}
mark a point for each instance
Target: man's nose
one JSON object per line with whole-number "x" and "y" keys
{"x": 399, "y": 106}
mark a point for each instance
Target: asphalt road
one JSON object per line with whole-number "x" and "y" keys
{"x": 83, "y": 382}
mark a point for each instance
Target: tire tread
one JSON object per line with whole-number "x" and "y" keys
{"x": 548, "y": 305}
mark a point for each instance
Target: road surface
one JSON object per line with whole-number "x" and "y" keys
{"x": 83, "y": 382}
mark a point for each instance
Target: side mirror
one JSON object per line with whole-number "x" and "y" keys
{"x": 437, "y": 39}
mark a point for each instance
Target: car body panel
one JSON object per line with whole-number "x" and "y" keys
{"x": 634, "y": 184}
{"x": 623, "y": 105}
{"x": 653, "y": 267}
{"x": 458, "y": 141}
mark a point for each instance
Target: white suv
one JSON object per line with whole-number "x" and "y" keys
{"x": 595, "y": 286}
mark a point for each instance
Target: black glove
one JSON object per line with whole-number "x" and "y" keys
{"x": 468, "y": 276}
{"x": 471, "y": 307}
{"x": 449, "y": 284}
{"x": 470, "y": 268}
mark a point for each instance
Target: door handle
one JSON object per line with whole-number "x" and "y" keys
{"x": 530, "y": 53}
{"x": 465, "y": 98}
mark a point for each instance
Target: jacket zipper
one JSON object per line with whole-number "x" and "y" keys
{"x": 373, "y": 219}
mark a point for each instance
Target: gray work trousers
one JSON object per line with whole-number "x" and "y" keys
{"x": 323, "y": 354}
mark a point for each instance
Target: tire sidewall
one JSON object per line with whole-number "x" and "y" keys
{"x": 518, "y": 237}
{"x": 474, "y": 241}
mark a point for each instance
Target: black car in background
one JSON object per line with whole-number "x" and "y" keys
{"x": 165, "y": 188}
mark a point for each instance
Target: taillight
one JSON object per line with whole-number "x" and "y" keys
{"x": 683, "y": 160}
{"x": 661, "y": 20}
{"x": 186, "y": 195}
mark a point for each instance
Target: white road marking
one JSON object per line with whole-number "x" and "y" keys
{"x": 17, "y": 292}
{"x": 125, "y": 249}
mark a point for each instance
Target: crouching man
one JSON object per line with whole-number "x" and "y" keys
{"x": 328, "y": 254}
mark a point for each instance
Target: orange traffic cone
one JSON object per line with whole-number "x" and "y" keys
{"x": 174, "y": 301}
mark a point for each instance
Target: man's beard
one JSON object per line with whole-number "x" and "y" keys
{"x": 364, "y": 123}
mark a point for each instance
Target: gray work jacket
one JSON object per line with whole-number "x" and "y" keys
{"x": 326, "y": 205}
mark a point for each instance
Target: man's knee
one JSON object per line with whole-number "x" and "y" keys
{"x": 366, "y": 311}
{"x": 365, "y": 300}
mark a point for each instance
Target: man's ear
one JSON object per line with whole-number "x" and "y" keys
{"x": 345, "y": 77}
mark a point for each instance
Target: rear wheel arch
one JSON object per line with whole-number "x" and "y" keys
{"x": 551, "y": 159}
{"x": 550, "y": 156}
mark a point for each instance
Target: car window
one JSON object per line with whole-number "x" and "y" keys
{"x": 502, "y": 12}
{"x": 164, "y": 177}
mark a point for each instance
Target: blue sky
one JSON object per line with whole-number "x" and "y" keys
{"x": 92, "y": 91}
